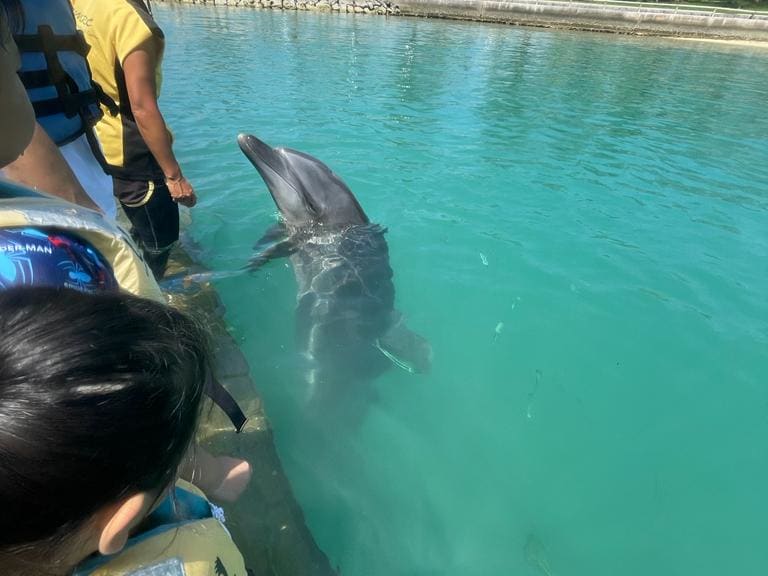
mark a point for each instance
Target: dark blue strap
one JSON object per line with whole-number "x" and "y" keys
{"x": 52, "y": 42}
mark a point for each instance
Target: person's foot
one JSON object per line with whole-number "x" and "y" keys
{"x": 235, "y": 474}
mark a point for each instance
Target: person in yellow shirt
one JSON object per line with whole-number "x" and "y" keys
{"x": 125, "y": 60}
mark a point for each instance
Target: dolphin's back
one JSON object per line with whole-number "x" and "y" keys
{"x": 345, "y": 298}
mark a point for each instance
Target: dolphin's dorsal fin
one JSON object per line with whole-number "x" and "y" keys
{"x": 404, "y": 348}
{"x": 275, "y": 243}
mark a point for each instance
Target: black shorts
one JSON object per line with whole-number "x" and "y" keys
{"x": 154, "y": 218}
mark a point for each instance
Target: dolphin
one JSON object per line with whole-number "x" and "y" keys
{"x": 346, "y": 325}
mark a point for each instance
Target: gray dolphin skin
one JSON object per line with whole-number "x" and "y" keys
{"x": 346, "y": 324}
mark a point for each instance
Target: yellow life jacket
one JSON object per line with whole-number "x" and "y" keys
{"x": 21, "y": 207}
{"x": 184, "y": 536}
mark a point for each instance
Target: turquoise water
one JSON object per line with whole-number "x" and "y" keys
{"x": 579, "y": 225}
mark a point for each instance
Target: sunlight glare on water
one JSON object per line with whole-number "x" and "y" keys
{"x": 579, "y": 225}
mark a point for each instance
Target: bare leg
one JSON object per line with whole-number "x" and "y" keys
{"x": 222, "y": 478}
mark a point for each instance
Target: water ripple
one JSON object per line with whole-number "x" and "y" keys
{"x": 601, "y": 198}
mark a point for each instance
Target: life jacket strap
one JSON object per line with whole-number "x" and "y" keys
{"x": 69, "y": 104}
{"x": 105, "y": 99}
{"x": 34, "y": 78}
{"x": 41, "y": 78}
{"x": 46, "y": 41}
{"x": 70, "y": 100}
{"x": 224, "y": 400}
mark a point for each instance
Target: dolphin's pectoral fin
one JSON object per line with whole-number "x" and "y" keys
{"x": 273, "y": 244}
{"x": 278, "y": 250}
{"x": 274, "y": 234}
{"x": 405, "y": 348}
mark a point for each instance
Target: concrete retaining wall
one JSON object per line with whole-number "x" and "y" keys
{"x": 625, "y": 18}
{"x": 267, "y": 522}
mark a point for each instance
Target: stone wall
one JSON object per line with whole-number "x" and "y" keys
{"x": 383, "y": 7}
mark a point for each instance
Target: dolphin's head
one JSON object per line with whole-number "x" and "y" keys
{"x": 303, "y": 188}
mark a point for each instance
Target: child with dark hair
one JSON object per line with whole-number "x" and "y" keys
{"x": 100, "y": 396}
{"x": 81, "y": 250}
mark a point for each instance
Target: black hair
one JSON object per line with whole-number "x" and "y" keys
{"x": 99, "y": 399}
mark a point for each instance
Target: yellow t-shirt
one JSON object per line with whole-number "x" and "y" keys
{"x": 114, "y": 29}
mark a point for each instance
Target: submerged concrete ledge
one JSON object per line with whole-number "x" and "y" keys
{"x": 619, "y": 17}
{"x": 267, "y": 523}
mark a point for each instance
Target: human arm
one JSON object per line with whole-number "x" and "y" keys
{"x": 139, "y": 70}
{"x": 16, "y": 115}
{"x": 41, "y": 166}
